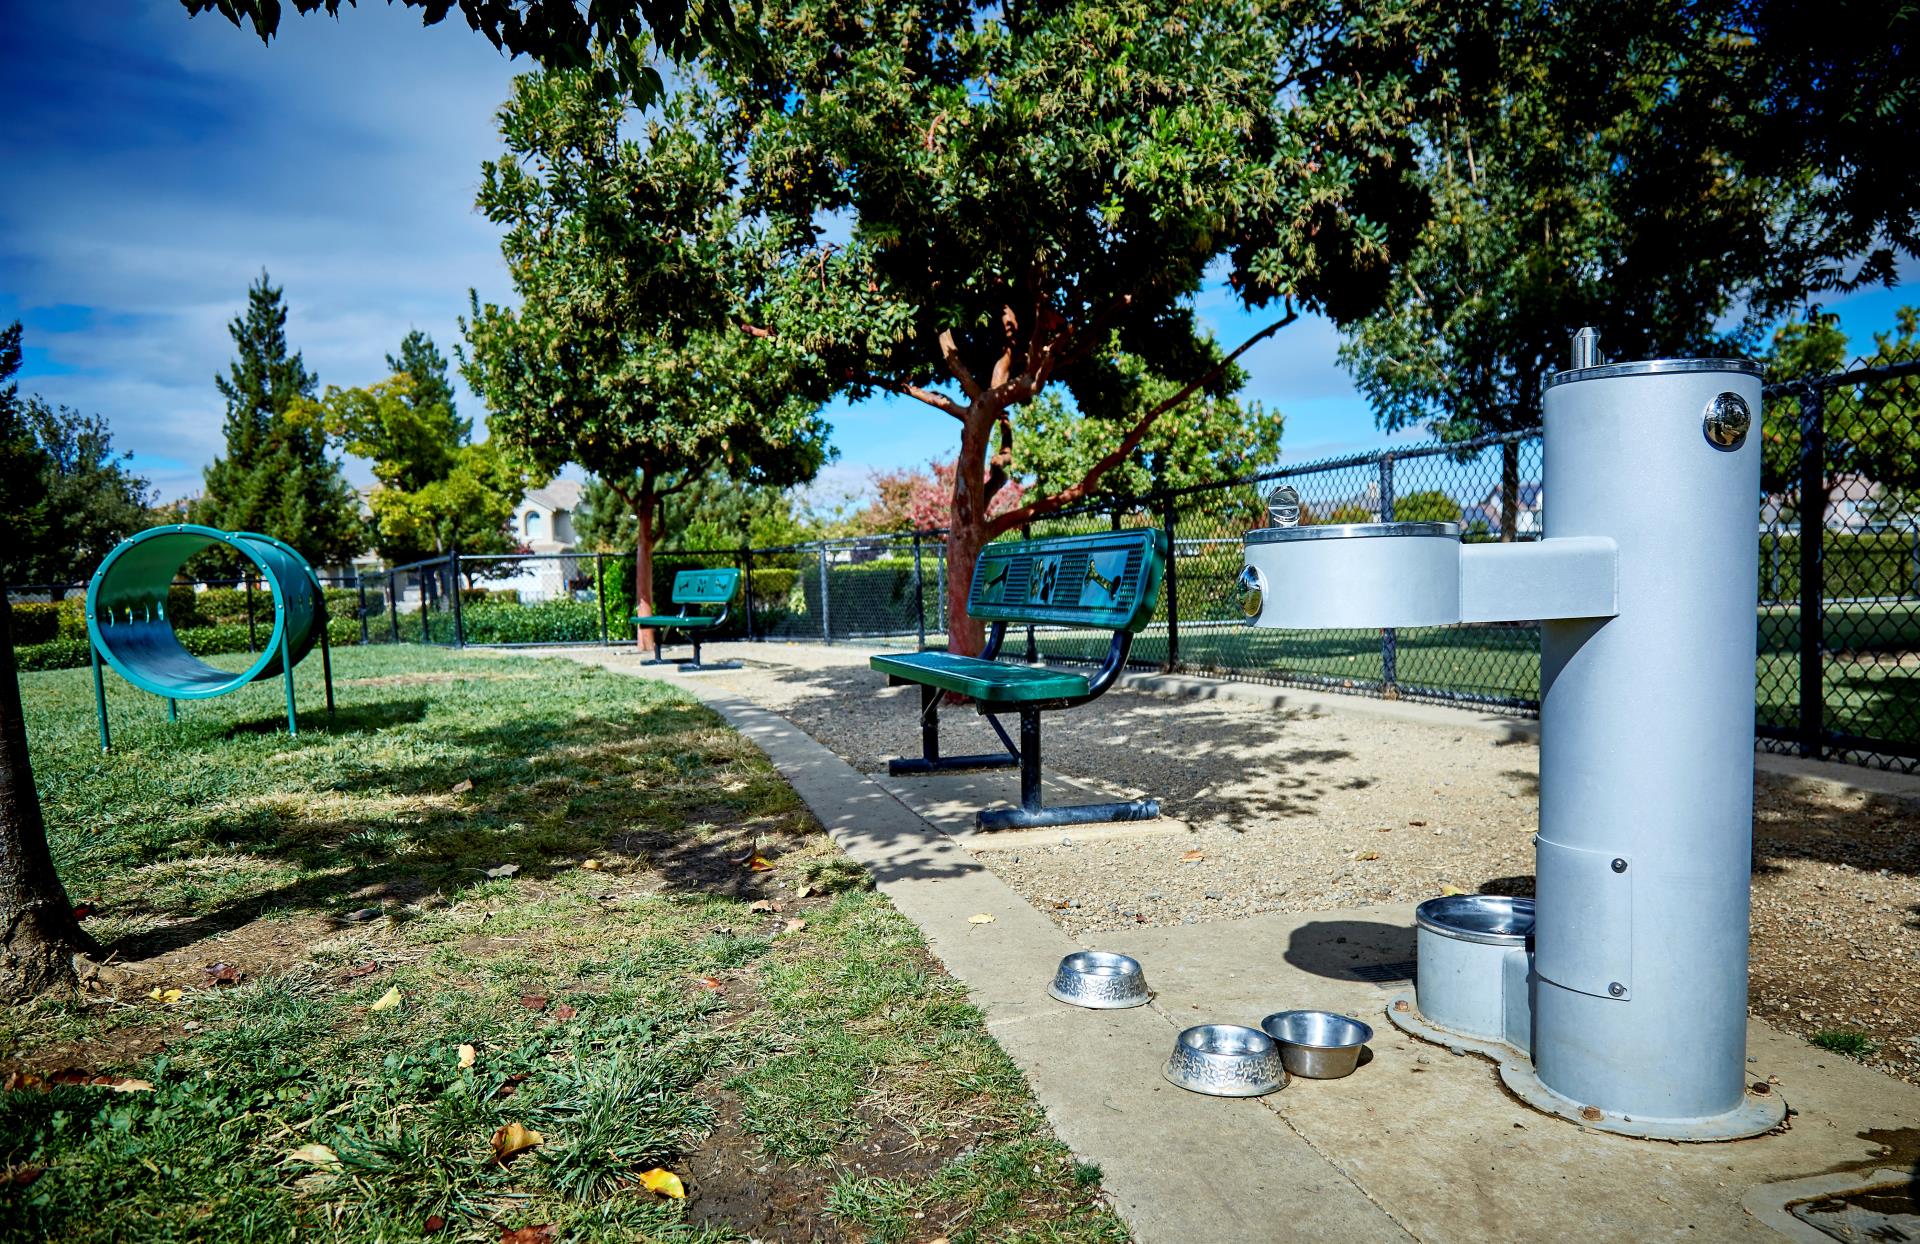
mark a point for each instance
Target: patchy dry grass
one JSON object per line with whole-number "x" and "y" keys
{"x": 581, "y": 917}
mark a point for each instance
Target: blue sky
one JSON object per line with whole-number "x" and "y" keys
{"x": 155, "y": 164}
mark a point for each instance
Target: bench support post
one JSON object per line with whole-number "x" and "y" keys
{"x": 930, "y": 759}
{"x": 1032, "y": 814}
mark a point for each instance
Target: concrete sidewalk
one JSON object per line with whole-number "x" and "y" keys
{"x": 1419, "y": 1144}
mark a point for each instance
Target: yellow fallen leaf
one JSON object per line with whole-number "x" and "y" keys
{"x": 802, "y": 891}
{"x": 466, "y": 1055}
{"x": 515, "y": 1138}
{"x": 760, "y": 864}
{"x": 166, "y": 997}
{"x": 1451, "y": 890}
{"x": 1366, "y": 855}
{"x": 664, "y": 1182}
{"x": 463, "y": 786}
{"x": 981, "y": 918}
{"x": 315, "y": 1155}
{"x": 130, "y": 1086}
{"x": 1193, "y": 857}
{"x": 388, "y": 1000}
{"x": 592, "y": 866}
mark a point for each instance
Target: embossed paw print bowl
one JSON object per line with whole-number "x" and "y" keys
{"x": 1100, "y": 980}
{"x": 1226, "y": 1060}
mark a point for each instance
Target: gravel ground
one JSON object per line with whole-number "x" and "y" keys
{"x": 1313, "y": 809}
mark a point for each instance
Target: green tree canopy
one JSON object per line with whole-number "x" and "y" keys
{"x": 66, "y": 498}
{"x": 276, "y": 477}
{"x": 1035, "y": 191}
{"x": 712, "y": 512}
{"x": 1871, "y": 430}
{"x": 624, "y": 355}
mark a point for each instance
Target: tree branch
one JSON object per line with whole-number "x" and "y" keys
{"x": 932, "y": 397}
{"x": 950, "y": 350}
{"x": 1131, "y": 441}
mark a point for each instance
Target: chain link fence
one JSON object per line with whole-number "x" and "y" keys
{"x": 1837, "y": 602}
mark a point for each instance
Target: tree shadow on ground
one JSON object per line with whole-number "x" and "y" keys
{"x": 357, "y": 718}
{"x": 1342, "y": 949}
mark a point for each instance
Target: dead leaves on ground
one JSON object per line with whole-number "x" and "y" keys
{"x": 27, "y": 1081}
{"x": 514, "y": 1139}
{"x": 388, "y": 1000}
{"x": 1192, "y": 857}
{"x": 315, "y": 1155}
{"x": 223, "y": 974}
{"x": 542, "y": 1234}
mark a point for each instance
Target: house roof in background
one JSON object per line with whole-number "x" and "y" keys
{"x": 561, "y": 494}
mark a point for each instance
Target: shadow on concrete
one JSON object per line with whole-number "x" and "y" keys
{"x": 1336, "y": 948}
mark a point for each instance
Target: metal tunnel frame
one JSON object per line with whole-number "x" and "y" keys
{"x": 128, "y": 627}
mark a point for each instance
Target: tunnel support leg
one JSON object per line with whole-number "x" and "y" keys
{"x": 99, "y": 698}
{"x": 326, "y": 662}
{"x": 286, "y": 677}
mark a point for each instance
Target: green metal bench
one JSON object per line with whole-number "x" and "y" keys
{"x": 693, "y": 587}
{"x": 1109, "y": 580}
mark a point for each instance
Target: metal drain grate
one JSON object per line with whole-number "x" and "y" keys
{"x": 1384, "y": 973}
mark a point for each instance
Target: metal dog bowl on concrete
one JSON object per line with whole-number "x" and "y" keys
{"x": 1226, "y": 1060}
{"x": 1317, "y": 1044}
{"x": 1100, "y": 980}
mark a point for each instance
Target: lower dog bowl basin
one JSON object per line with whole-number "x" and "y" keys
{"x": 1226, "y": 1060}
{"x": 1099, "y": 979}
{"x": 1317, "y": 1044}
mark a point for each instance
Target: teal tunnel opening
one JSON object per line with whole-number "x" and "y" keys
{"x": 127, "y": 618}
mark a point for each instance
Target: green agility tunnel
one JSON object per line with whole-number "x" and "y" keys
{"x": 129, "y": 629}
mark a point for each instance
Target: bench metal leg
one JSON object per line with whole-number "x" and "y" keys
{"x": 931, "y": 761}
{"x": 1031, "y": 814}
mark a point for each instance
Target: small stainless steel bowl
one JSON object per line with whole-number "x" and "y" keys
{"x": 1317, "y": 1044}
{"x": 1100, "y": 980}
{"x": 1226, "y": 1060}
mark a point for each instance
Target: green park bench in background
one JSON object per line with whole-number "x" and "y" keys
{"x": 1108, "y": 580}
{"x": 693, "y": 587}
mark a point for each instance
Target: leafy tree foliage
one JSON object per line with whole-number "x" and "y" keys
{"x": 921, "y": 499}
{"x": 66, "y": 498}
{"x": 439, "y": 491}
{"x": 276, "y": 477}
{"x": 1035, "y": 191}
{"x": 1647, "y": 168}
{"x": 712, "y": 512}
{"x": 1872, "y": 431}
{"x": 560, "y": 34}
{"x": 623, "y": 355}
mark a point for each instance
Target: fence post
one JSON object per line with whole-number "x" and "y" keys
{"x": 746, "y": 579}
{"x": 600, "y": 591}
{"x": 453, "y": 584}
{"x": 919, "y": 599}
{"x": 1389, "y": 638}
{"x": 1173, "y": 585}
{"x": 1813, "y": 523}
{"x": 251, "y": 645}
{"x": 393, "y": 605}
{"x": 826, "y": 628}
{"x": 360, "y": 581}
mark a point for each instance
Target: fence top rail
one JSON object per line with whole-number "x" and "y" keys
{"x": 1856, "y": 375}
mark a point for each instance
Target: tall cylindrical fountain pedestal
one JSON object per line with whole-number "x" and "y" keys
{"x": 1646, "y": 747}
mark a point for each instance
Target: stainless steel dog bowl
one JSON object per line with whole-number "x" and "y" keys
{"x": 1317, "y": 1044}
{"x": 1100, "y": 980}
{"x": 1226, "y": 1060}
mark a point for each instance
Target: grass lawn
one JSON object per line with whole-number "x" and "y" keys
{"x": 578, "y": 944}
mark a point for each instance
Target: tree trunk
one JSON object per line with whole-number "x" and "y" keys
{"x": 1509, "y": 490}
{"x": 645, "y": 638}
{"x": 967, "y": 533}
{"x": 38, "y": 934}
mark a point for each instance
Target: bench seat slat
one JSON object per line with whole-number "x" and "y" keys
{"x": 690, "y": 622}
{"x": 988, "y": 681}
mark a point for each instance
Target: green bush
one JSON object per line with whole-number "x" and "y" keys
{"x": 550, "y": 622}
{"x": 36, "y": 622}
{"x": 54, "y": 654}
{"x": 875, "y": 597}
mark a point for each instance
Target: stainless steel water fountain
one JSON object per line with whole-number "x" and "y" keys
{"x": 1635, "y": 995}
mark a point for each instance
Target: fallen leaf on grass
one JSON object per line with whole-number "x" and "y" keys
{"x": 504, "y": 870}
{"x": 1366, "y": 855}
{"x": 223, "y": 974}
{"x": 793, "y": 926}
{"x": 534, "y": 1001}
{"x": 759, "y": 863}
{"x": 16, "y": 1081}
{"x": 315, "y": 1155}
{"x": 509, "y": 1086}
{"x": 542, "y": 1234}
{"x": 435, "y": 1224}
{"x": 21, "y": 1176}
{"x": 592, "y": 866}
{"x": 82, "y": 910}
{"x": 980, "y": 918}
{"x": 663, "y": 1182}
{"x": 515, "y": 1138}
{"x": 1193, "y": 857}
{"x": 165, "y": 997}
{"x": 563, "y": 1011}
{"x": 463, "y": 786}
{"x": 763, "y": 904}
{"x": 802, "y": 891}
{"x": 467, "y": 1054}
{"x": 709, "y": 982}
{"x": 360, "y": 969}
{"x": 388, "y": 1000}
